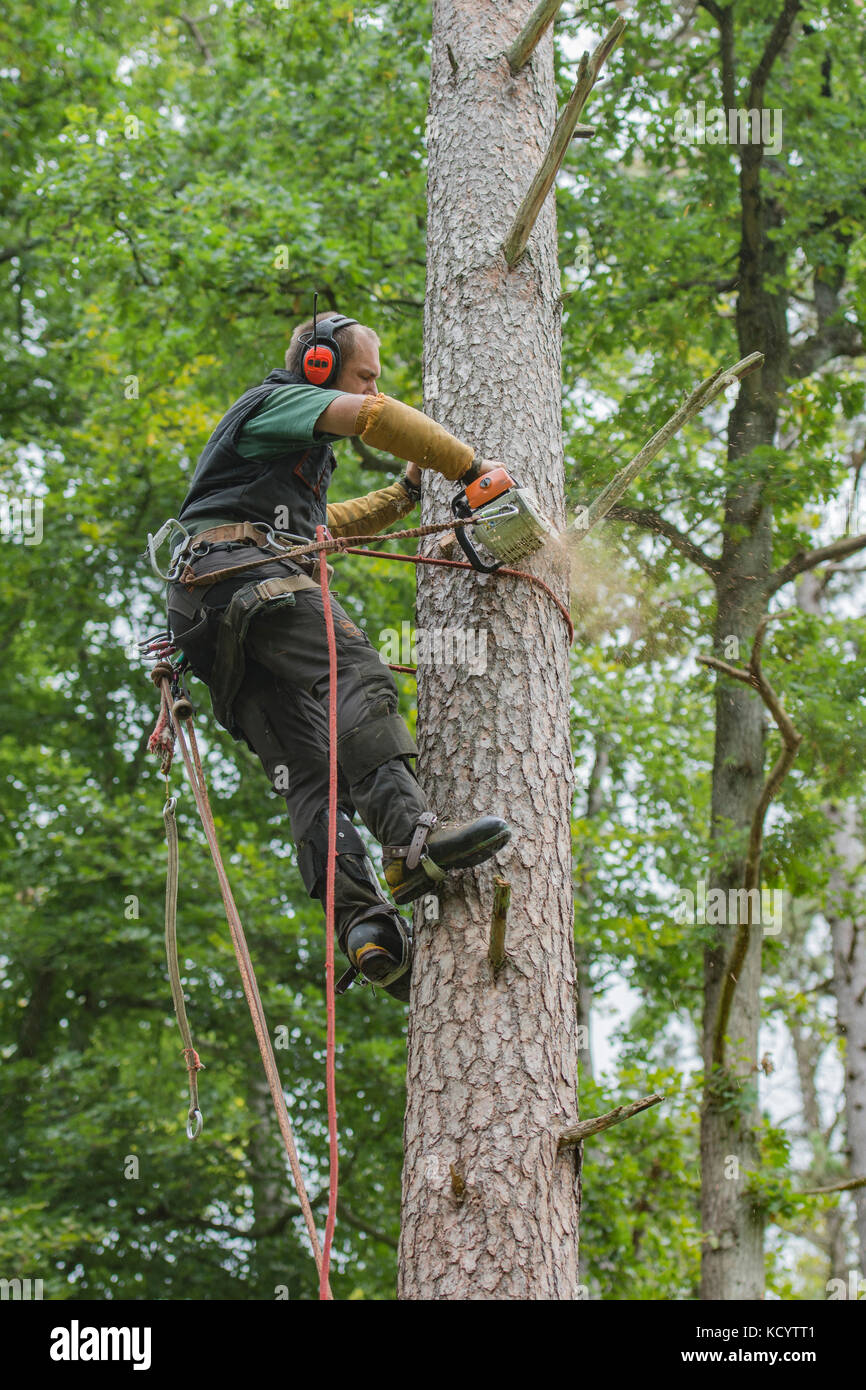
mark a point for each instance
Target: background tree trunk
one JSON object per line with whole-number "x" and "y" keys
{"x": 849, "y": 986}
{"x": 849, "y": 954}
{"x": 732, "y": 1265}
{"x": 490, "y": 1208}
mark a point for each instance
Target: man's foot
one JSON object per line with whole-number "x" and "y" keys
{"x": 382, "y": 952}
{"x": 434, "y": 852}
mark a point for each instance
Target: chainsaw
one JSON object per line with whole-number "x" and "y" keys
{"x": 507, "y": 520}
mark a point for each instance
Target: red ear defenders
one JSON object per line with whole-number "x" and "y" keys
{"x": 321, "y": 361}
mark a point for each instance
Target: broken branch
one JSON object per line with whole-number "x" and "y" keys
{"x": 533, "y": 31}
{"x": 496, "y": 949}
{"x": 587, "y": 75}
{"x": 702, "y": 396}
{"x": 576, "y": 1133}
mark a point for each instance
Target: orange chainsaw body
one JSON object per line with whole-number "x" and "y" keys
{"x": 488, "y": 486}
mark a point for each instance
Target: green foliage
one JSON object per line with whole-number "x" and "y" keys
{"x": 171, "y": 198}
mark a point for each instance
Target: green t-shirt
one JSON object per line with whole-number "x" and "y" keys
{"x": 287, "y": 417}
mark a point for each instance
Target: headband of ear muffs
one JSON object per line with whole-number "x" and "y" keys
{"x": 321, "y": 361}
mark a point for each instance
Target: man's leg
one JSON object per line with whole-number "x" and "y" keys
{"x": 373, "y": 744}
{"x": 289, "y": 732}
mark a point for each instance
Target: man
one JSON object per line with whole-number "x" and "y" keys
{"x": 258, "y": 637}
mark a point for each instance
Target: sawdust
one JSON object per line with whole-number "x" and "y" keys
{"x": 603, "y": 596}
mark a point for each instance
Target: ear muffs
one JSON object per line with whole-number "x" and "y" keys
{"x": 321, "y": 360}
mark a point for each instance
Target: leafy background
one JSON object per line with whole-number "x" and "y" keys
{"x": 172, "y": 191}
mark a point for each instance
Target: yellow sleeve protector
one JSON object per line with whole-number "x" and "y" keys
{"x": 367, "y": 516}
{"x": 408, "y": 434}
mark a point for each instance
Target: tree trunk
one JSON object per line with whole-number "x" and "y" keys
{"x": 268, "y": 1184}
{"x": 490, "y": 1206}
{"x": 848, "y": 928}
{"x": 849, "y": 986}
{"x": 732, "y": 1265}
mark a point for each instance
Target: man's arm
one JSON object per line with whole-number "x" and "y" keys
{"x": 400, "y": 430}
{"x": 341, "y": 416}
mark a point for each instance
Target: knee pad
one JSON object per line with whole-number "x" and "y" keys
{"x": 376, "y": 741}
{"x": 313, "y": 850}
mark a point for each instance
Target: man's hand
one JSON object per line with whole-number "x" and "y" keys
{"x": 413, "y": 472}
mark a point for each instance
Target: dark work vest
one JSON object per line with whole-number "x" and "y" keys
{"x": 289, "y": 491}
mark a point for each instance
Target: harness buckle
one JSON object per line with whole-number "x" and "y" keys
{"x": 155, "y": 543}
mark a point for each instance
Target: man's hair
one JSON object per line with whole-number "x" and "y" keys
{"x": 348, "y": 339}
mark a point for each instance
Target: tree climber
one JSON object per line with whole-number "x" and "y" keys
{"x": 259, "y": 640}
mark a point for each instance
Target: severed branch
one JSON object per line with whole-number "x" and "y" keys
{"x": 496, "y": 949}
{"x": 702, "y": 396}
{"x": 847, "y": 1186}
{"x": 582, "y": 1131}
{"x": 587, "y": 76}
{"x": 530, "y": 35}
{"x": 791, "y": 740}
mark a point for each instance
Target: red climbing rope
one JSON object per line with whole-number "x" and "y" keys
{"x": 330, "y": 1065}
{"x": 458, "y": 565}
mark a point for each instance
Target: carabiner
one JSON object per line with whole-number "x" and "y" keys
{"x": 199, "y": 1122}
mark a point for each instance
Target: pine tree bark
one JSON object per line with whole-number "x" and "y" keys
{"x": 490, "y": 1207}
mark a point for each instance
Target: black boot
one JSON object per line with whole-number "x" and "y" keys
{"x": 381, "y": 950}
{"x": 363, "y": 916}
{"x": 414, "y": 869}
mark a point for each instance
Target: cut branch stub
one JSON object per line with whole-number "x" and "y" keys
{"x": 585, "y": 1128}
{"x": 701, "y": 397}
{"x": 496, "y": 949}
{"x": 587, "y": 75}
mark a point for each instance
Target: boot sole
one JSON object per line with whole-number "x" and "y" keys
{"x": 418, "y": 884}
